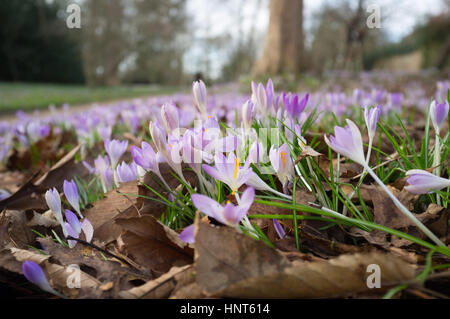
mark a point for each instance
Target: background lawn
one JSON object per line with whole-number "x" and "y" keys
{"x": 25, "y": 96}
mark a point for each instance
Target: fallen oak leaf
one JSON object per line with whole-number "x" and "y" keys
{"x": 229, "y": 264}
{"x": 152, "y": 244}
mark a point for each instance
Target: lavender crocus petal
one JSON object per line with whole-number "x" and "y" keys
{"x": 187, "y": 235}
{"x": 232, "y": 215}
{"x": 208, "y": 206}
{"x": 214, "y": 173}
{"x": 71, "y": 193}
{"x": 169, "y": 115}
{"x": 71, "y": 232}
{"x": 115, "y": 150}
{"x": 278, "y": 228}
{"x": 247, "y": 198}
{"x": 53, "y": 201}
{"x": 73, "y": 221}
{"x": 34, "y": 273}
{"x": 88, "y": 230}
{"x": 423, "y": 182}
{"x": 438, "y": 113}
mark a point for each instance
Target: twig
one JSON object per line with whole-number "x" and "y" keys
{"x": 100, "y": 249}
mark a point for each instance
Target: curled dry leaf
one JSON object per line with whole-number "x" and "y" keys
{"x": 152, "y": 244}
{"x": 229, "y": 264}
{"x": 113, "y": 204}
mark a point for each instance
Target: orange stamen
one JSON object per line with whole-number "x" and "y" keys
{"x": 236, "y": 166}
{"x": 283, "y": 158}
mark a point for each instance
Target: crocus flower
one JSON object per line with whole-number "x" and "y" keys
{"x": 294, "y": 106}
{"x": 199, "y": 91}
{"x": 229, "y": 214}
{"x": 229, "y": 171}
{"x": 256, "y": 153}
{"x": 278, "y": 228}
{"x": 72, "y": 233}
{"x": 371, "y": 116}
{"x": 71, "y": 193}
{"x": 348, "y": 142}
{"x": 247, "y": 115}
{"x": 73, "y": 221}
{"x": 145, "y": 156}
{"x": 104, "y": 172}
{"x": 423, "y": 182}
{"x": 187, "y": 235}
{"x": 115, "y": 150}
{"x": 169, "y": 115}
{"x": 282, "y": 163}
{"x": 127, "y": 173}
{"x": 105, "y": 132}
{"x": 54, "y": 203}
{"x": 34, "y": 274}
{"x": 438, "y": 113}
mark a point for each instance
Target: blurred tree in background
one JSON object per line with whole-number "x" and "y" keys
{"x": 137, "y": 40}
{"x": 36, "y": 45}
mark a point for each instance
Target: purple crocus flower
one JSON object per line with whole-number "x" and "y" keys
{"x": 73, "y": 221}
{"x": 278, "y": 228}
{"x": 348, "y": 142}
{"x": 282, "y": 164}
{"x": 438, "y": 113}
{"x": 115, "y": 150}
{"x": 229, "y": 214}
{"x": 71, "y": 232}
{"x": 229, "y": 171}
{"x": 145, "y": 156}
{"x": 247, "y": 114}
{"x": 256, "y": 153}
{"x": 199, "y": 91}
{"x": 127, "y": 173}
{"x": 34, "y": 274}
{"x": 71, "y": 193}
{"x": 187, "y": 235}
{"x": 423, "y": 182}
{"x": 371, "y": 116}
{"x": 105, "y": 132}
{"x": 54, "y": 203}
{"x": 294, "y": 106}
{"x": 170, "y": 118}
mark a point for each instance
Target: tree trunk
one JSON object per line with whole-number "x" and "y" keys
{"x": 283, "y": 46}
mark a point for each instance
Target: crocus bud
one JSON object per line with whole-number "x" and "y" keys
{"x": 371, "y": 116}
{"x": 423, "y": 182}
{"x": 34, "y": 274}
{"x": 278, "y": 228}
{"x": 126, "y": 173}
{"x": 158, "y": 137}
{"x": 54, "y": 203}
{"x": 348, "y": 142}
{"x": 145, "y": 156}
{"x": 438, "y": 113}
{"x": 115, "y": 150}
{"x": 247, "y": 114}
{"x": 169, "y": 115}
{"x": 71, "y": 193}
{"x": 199, "y": 91}
{"x": 256, "y": 153}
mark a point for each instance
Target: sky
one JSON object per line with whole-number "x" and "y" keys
{"x": 211, "y": 18}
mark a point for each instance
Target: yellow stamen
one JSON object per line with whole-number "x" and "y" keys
{"x": 209, "y": 116}
{"x": 228, "y": 201}
{"x": 236, "y": 166}
{"x": 283, "y": 158}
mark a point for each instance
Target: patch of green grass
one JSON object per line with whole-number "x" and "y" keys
{"x": 29, "y": 96}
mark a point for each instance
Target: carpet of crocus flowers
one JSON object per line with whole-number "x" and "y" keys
{"x": 268, "y": 195}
